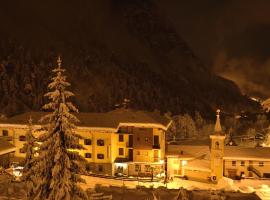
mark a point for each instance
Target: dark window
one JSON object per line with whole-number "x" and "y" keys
{"x": 100, "y": 156}
{"x": 121, "y": 138}
{"x": 261, "y": 164}
{"x": 87, "y": 155}
{"x": 22, "y": 150}
{"x": 156, "y": 140}
{"x": 100, "y": 142}
{"x": 138, "y": 139}
{"x": 5, "y": 132}
{"x": 100, "y": 168}
{"x": 121, "y": 151}
{"x": 233, "y": 163}
{"x": 242, "y": 163}
{"x": 137, "y": 168}
{"x": 87, "y": 141}
{"x": 22, "y": 138}
{"x": 88, "y": 167}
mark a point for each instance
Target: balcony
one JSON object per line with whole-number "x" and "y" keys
{"x": 156, "y": 146}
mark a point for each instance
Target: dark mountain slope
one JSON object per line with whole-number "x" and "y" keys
{"x": 112, "y": 50}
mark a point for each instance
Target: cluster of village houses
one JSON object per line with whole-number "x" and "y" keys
{"x": 133, "y": 143}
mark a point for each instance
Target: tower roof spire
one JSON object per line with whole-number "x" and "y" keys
{"x": 217, "y": 125}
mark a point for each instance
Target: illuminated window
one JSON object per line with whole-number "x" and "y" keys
{"x": 100, "y": 142}
{"x": 261, "y": 164}
{"x": 121, "y": 138}
{"x": 137, "y": 168}
{"x": 233, "y": 163}
{"x": 5, "y": 132}
{"x": 146, "y": 139}
{"x": 100, "y": 156}
{"x": 121, "y": 151}
{"x": 87, "y": 155}
{"x": 87, "y": 142}
{"x": 242, "y": 163}
{"x": 22, "y": 138}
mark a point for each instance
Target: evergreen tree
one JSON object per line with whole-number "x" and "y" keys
{"x": 29, "y": 147}
{"x": 58, "y": 163}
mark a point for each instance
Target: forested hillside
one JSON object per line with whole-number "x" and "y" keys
{"x": 112, "y": 50}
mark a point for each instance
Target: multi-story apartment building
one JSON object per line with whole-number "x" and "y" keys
{"x": 119, "y": 142}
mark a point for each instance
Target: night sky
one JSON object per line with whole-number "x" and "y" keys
{"x": 232, "y": 37}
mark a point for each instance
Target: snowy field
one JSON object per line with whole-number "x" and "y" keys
{"x": 12, "y": 190}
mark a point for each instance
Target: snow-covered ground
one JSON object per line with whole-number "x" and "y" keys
{"x": 13, "y": 190}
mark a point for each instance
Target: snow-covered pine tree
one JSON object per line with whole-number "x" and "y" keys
{"x": 58, "y": 163}
{"x": 29, "y": 147}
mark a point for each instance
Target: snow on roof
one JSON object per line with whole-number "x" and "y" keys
{"x": 6, "y": 147}
{"x": 104, "y": 120}
{"x": 198, "y": 164}
{"x": 194, "y": 151}
{"x": 244, "y": 153}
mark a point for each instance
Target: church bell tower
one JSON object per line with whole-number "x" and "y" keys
{"x": 217, "y": 150}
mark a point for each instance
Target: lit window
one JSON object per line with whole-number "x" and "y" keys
{"x": 5, "y": 132}
{"x": 261, "y": 164}
{"x": 146, "y": 139}
{"x": 22, "y": 138}
{"x": 137, "y": 168}
{"x": 87, "y": 155}
{"x": 121, "y": 151}
{"x": 100, "y": 142}
{"x": 217, "y": 145}
{"x": 242, "y": 163}
{"x": 100, "y": 156}
{"x": 233, "y": 163}
{"x": 121, "y": 138}
{"x": 87, "y": 142}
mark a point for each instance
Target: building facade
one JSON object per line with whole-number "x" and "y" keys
{"x": 121, "y": 142}
{"x": 214, "y": 160}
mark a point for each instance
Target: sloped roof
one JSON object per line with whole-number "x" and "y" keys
{"x": 194, "y": 151}
{"x": 198, "y": 164}
{"x": 6, "y": 147}
{"x": 104, "y": 120}
{"x": 245, "y": 153}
